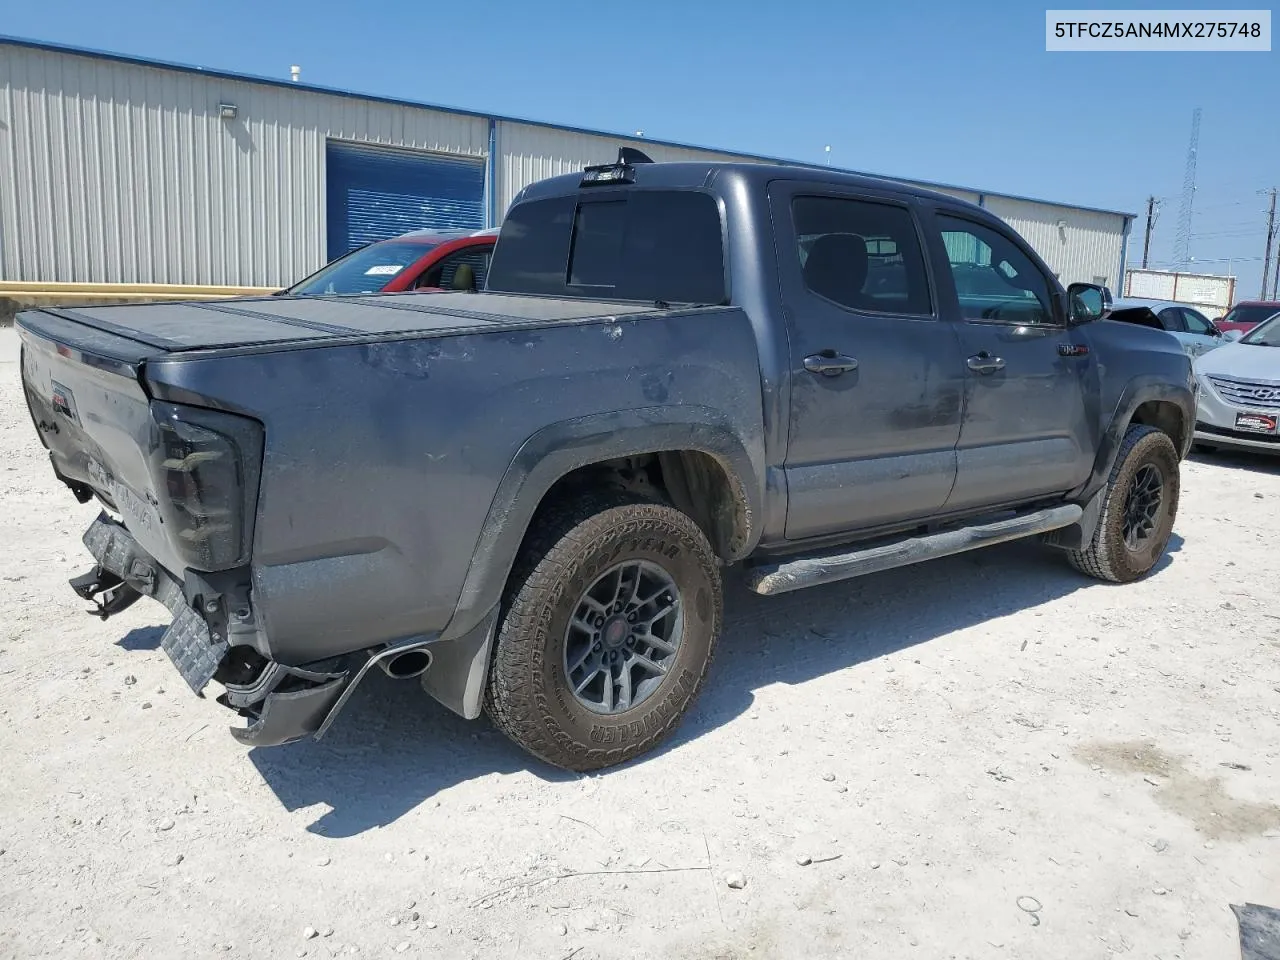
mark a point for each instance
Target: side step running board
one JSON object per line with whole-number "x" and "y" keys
{"x": 773, "y": 578}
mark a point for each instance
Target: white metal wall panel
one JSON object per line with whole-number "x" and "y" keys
{"x": 1078, "y": 245}
{"x": 115, "y": 172}
{"x": 112, "y": 171}
{"x": 971, "y": 196}
{"x": 529, "y": 153}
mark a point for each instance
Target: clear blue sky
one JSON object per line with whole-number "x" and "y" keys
{"x": 960, "y": 93}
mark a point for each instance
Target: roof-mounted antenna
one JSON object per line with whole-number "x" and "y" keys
{"x": 629, "y": 155}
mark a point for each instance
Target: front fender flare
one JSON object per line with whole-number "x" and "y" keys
{"x": 1137, "y": 391}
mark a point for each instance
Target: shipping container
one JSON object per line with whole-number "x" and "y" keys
{"x": 1208, "y": 292}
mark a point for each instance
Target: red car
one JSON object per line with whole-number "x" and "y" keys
{"x": 422, "y": 260}
{"x": 1247, "y": 314}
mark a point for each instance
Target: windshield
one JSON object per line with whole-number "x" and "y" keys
{"x": 366, "y": 270}
{"x": 1265, "y": 334}
{"x": 1246, "y": 314}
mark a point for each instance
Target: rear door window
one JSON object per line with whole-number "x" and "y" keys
{"x": 1171, "y": 318}
{"x": 862, "y": 255}
{"x": 645, "y": 245}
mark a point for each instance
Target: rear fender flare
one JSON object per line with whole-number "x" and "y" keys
{"x": 558, "y": 449}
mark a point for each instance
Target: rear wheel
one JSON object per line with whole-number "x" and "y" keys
{"x": 1138, "y": 511}
{"x": 610, "y": 621}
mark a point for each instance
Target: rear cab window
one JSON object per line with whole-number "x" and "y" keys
{"x": 632, "y": 244}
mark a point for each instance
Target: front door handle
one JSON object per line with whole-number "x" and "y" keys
{"x": 829, "y": 363}
{"x": 985, "y": 363}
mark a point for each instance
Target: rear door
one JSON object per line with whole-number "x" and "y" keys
{"x": 876, "y": 375}
{"x": 1027, "y": 432}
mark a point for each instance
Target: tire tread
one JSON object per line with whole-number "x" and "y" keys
{"x": 1100, "y": 559}
{"x": 562, "y": 532}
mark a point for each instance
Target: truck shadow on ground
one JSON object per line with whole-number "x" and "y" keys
{"x": 142, "y": 638}
{"x": 393, "y": 747}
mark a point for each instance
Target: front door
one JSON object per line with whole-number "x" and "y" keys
{"x": 1195, "y": 331}
{"x": 1027, "y": 432}
{"x": 876, "y": 375}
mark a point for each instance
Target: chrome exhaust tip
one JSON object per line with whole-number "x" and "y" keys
{"x": 407, "y": 665}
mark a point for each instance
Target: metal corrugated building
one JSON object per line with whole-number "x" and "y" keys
{"x": 120, "y": 170}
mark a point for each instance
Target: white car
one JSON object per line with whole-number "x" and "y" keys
{"x": 1190, "y": 327}
{"x": 1238, "y": 404}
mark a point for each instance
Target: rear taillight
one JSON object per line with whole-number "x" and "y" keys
{"x": 206, "y": 465}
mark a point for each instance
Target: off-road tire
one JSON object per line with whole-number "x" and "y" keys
{"x": 572, "y": 543}
{"x": 1107, "y": 557}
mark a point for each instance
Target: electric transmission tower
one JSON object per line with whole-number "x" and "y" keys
{"x": 1182, "y": 245}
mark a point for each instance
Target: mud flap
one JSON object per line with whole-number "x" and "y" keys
{"x": 1078, "y": 535}
{"x": 460, "y": 667}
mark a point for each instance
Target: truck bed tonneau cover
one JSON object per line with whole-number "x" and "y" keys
{"x": 200, "y": 325}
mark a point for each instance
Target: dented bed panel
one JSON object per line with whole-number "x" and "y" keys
{"x": 383, "y": 458}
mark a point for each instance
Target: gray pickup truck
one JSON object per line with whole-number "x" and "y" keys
{"x": 524, "y": 498}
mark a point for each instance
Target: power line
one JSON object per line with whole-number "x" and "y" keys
{"x": 1172, "y": 263}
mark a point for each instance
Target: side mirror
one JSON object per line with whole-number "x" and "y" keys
{"x": 1087, "y": 302}
{"x": 1231, "y": 336}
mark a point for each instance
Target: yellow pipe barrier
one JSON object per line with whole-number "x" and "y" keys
{"x": 53, "y": 292}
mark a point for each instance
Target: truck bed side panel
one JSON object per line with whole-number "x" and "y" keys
{"x": 382, "y": 459}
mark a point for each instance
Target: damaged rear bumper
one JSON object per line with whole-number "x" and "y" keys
{"x": 282, "y": 703}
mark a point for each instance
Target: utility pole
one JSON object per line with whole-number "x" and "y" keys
{"x": 1275, "y": 279}
{"x": 1151, "y": 222}
{"x": 1271, "y": 235}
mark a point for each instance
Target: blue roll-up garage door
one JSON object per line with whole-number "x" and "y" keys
{"x": 375, "y": 193}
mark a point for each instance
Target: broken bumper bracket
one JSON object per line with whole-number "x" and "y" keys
{"x": 123, "y": 564}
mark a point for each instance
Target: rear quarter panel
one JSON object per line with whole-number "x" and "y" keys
{"x": 383, "y": 458}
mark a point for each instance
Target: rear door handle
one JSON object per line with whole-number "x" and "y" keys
{"x": 985, "y": 363}
{"x": 829, "y": 363}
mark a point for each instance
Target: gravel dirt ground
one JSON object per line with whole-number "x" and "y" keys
{"x": 987, "y": 756}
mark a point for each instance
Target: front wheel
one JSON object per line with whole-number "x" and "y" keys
{"x": 1138, "y": 510}
{"x": 608, "y": 629}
